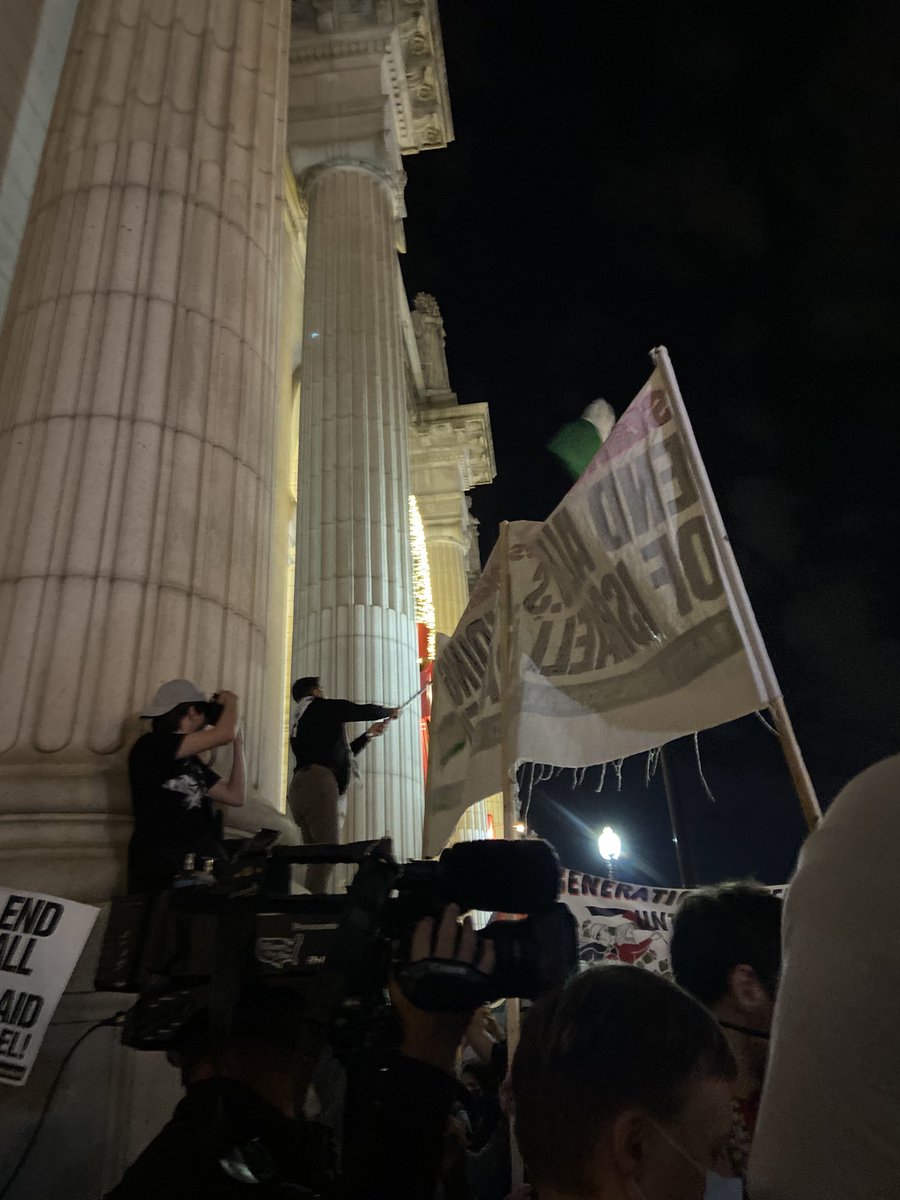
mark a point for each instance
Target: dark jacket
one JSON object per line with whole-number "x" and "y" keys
{"x": 226, "y": 1143}
{"x": 318, "y": 736}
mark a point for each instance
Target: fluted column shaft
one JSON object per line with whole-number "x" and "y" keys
{"x": 137, "y": 379}
{"x": 354, "y": 612}
{"x": 450, "y": 590}
{"x": 449, "y": 581}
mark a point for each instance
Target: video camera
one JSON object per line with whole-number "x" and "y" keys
{"x": 192, "y": 949}
{"x": 212, "y": 709}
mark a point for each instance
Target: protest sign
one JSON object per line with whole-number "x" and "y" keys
{"x": 41, "y": 938}
{"x": 618, "y": 631}
{"x": 624, "y": 922}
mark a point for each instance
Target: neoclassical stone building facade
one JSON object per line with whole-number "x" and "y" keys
{"x": 215, "y": 403}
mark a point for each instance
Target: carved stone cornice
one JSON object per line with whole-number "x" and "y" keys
{"x": 455, "y": 435}
{"x": 426, "y": 74}
{"x": 408, "y": 34}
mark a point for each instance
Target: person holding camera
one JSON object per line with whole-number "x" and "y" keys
{"x": 325, "y": 760}
{"x": 173, "y": 790}
{"x": 237, "y": 1133}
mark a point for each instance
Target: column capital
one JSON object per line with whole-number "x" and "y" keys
{"x": 394, "y": 181}
{"x": 445, "y": 517}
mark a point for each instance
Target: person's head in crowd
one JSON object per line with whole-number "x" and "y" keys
{"x": 308, "y": 685}
{"x": 257, "y": 1052}
{"x": 471, "y": 1081}
{"x": 726, "y": 951}
{"x": 622, "y": 1089}
{"x": 178, "y": 707}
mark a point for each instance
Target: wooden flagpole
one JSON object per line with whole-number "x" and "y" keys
{"x": 513, "y": 1006}
{"x": 509, "y": 799}
{"x": 683, "y": 854}
{"x": 809, "y": 802}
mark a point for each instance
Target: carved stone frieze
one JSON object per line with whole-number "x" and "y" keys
{"x": 459, "y": 434}
{"x": 416, "y": 68}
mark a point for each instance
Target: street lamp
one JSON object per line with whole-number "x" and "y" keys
{"x": 610, "y": 846}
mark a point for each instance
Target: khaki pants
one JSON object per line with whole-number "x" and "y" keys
{"x": 314, "y": 803}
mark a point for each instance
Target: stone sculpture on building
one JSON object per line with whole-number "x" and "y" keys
{"x": 430, "y": 339}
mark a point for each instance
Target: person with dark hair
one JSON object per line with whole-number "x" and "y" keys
{"x": 325, "y": 760}
{"x": 726, "y": 951}
{"x": 173, "y": 790}
{"x": 621, "y": 1089}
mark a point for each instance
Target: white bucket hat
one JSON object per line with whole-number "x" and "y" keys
{"x": 171, "y": 694}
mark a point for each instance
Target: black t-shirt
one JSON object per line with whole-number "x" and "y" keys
{"x": 173, "y": 813}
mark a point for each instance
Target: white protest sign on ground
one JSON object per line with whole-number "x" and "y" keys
{"x": 623, "y": 629}
{"x": 624, "y": 922}
{"x": 41, "y": 938}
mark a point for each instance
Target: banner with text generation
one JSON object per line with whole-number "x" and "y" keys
{"x": 41, "y": 938}
{"x": 622, "y": 633}
{"x": 624, "y": 922}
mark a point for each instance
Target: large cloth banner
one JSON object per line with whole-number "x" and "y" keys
{"x": 624, "y": 922}
{"x": 622, "y": 631}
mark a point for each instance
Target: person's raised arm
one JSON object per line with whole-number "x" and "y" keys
{"x": 346, "y": 710}
{"x": 359, "y": 744}
{"x": 434, "y": 1037}
{"x": 232, "y": 791}
{"x": 398, "y": 1144}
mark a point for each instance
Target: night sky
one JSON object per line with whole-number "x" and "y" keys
{"x": 723, "y": 180}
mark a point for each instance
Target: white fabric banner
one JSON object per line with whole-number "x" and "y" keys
{"x": 623, "y": 632}
{"x": 41, "y": 938}
{"x": 625, "y": 922}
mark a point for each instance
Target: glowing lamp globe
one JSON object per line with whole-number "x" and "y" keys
{"x": 609, "y": 844}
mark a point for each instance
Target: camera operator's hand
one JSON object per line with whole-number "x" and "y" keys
{"x": 376, "y": 730}
{"x": 393, "y": 714}
{"x": 433, "y": 1037}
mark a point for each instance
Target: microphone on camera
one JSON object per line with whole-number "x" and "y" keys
{"x": 505, "y": 876}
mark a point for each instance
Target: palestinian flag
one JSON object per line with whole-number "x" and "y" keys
{"x": 578, "y": 441}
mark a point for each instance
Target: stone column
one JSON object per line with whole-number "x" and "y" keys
{"x": 137, "y": 431}
{"x": 367, "y": 86}
{"x": 136, "y": 410}
{"x": 447, "y": 552}
{"x": 445, "y": 519}
{"x": 354, "y": 613}
{"x": 452, "y": 451}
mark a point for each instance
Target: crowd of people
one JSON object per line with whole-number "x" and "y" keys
{"x": 766, "y": 1068}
